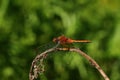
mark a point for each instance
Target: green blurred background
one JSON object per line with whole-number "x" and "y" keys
{"x": 26, "y": 24}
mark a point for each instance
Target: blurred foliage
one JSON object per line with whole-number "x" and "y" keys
{"x": 26, "y": 24}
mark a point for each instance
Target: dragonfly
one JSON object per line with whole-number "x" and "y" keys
{"x": 63, "y": 40}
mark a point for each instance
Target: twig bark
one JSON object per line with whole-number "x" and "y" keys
{"x": 39, "y": 68}
{"x": 92, "y": 61}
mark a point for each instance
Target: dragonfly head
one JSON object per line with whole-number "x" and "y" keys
{"x": 55, "y": 40}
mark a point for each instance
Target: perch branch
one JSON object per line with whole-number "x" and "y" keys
{"x": 92, "y": 61}
{"x": 37, "y": 68}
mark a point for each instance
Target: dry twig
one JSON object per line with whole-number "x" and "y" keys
{"x": 39, "y": 68}
{"x": 92, "y": 61}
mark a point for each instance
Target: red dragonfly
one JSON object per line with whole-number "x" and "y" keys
{"x": 64, "y": 40}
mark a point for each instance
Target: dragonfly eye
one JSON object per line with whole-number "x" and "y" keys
{"x": 55, "y": 40}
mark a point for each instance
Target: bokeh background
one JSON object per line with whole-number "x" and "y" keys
{"x": 28, "y": 24}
